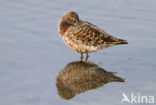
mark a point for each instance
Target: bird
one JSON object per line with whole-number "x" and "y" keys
{"x": 83, "y": 36}
{"x": 80, "y": 76}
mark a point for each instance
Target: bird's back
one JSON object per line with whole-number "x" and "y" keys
{"x": 91, "y": 37}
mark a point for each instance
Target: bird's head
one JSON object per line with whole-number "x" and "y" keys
{"x": 70, "y": 17}
{"x": 67, "y": 20}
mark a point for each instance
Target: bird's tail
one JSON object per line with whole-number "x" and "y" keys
{"x": 121, "y": 41}
{"x": 118, "y": 79}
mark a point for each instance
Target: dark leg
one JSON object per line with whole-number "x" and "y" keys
{"x": 81, "y": 56}
{"x": 87, "y": 56}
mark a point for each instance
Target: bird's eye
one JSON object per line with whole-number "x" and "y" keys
{"x": 73, "y": 19}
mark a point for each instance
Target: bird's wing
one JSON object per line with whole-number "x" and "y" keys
{"x": 91, "y": 35}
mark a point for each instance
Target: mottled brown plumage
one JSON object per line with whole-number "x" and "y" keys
{"x": 80, "y": 76}
{"x": 84, "y": 37}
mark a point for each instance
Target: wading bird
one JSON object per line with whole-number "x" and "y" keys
{"x": 84, "y": 37}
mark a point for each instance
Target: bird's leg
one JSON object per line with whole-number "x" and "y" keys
{"x": 81, "y": 56}
{"x": 87, "y": 56}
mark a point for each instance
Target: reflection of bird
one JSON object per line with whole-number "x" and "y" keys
{"x": 80, "y": 76}
{"x": 84, "y": 37}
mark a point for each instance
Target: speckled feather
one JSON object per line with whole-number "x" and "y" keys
{"x": 82, "y": 36}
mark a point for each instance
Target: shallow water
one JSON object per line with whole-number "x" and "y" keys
{"x": 32, "y": 53}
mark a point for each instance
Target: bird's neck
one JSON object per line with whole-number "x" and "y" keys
{"x": 63, "y": 26}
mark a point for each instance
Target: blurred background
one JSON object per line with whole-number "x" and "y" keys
{"x": 32, "y": 53}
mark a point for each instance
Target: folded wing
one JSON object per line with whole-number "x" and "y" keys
{"x": 90, "y": 35}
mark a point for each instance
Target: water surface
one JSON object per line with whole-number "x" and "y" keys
{"x": 32, "y": 53}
